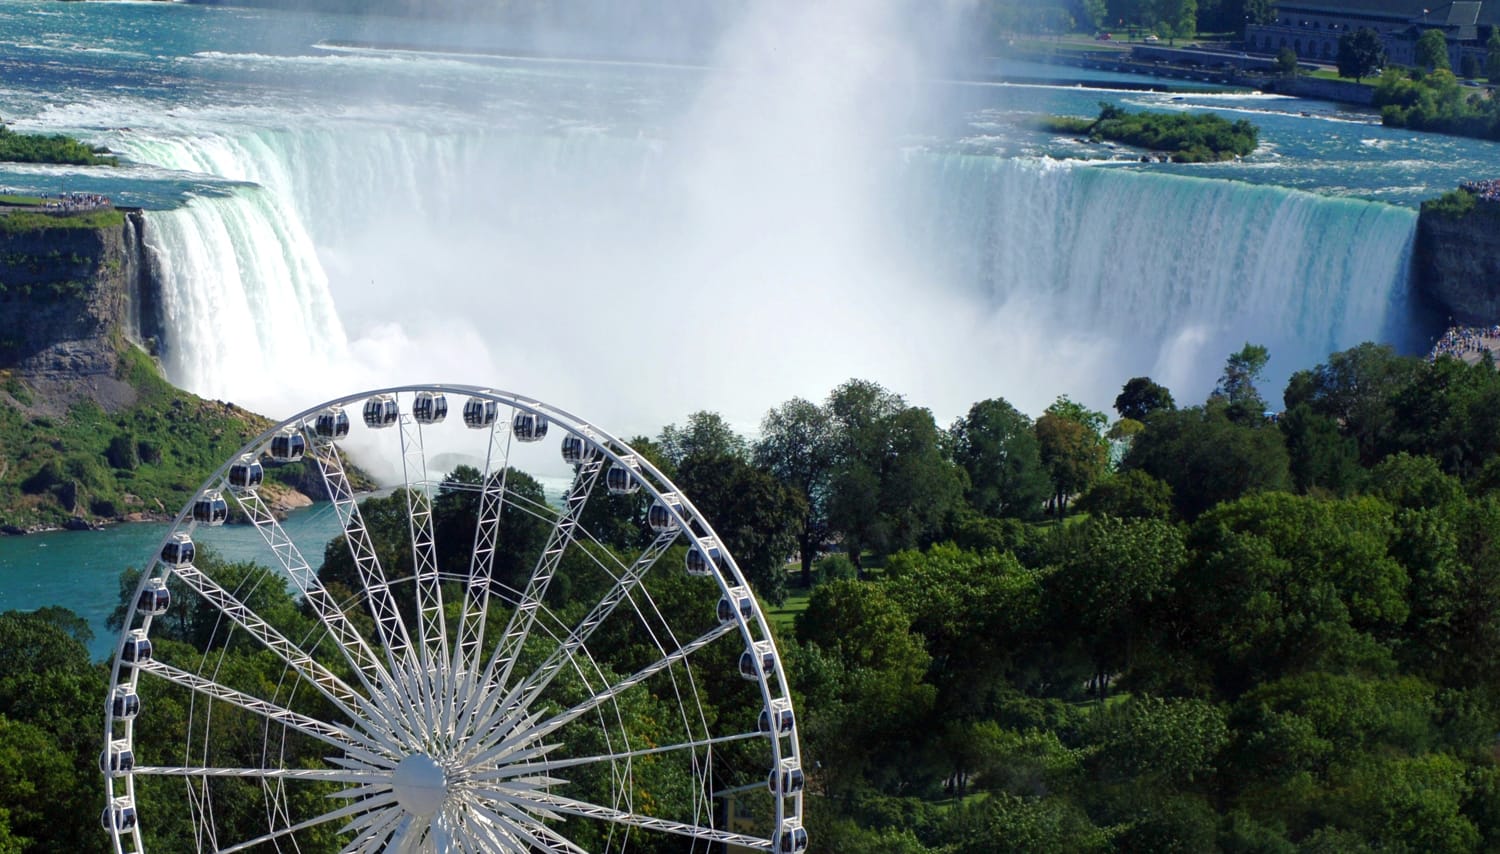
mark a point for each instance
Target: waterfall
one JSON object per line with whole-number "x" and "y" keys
{"x": 246, "y": 307}
{"x": 1127, "y": 272}
{"x": 537, "y": 261}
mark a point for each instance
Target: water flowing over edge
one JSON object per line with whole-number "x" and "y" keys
{"x": 954, "y": 278}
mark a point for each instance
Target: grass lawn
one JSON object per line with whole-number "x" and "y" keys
{"x": 783, "y": 615}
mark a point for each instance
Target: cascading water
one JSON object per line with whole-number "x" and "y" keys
{"x": 976, "y": 276}
{"x": 1116, "y": 273}
{"x": 245, "y": 300}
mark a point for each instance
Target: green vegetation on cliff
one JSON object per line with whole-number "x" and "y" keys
{"x": 1452, "y": 204}
{"x": 147, "y": 458}
{"x": 51, "y": 148}
{"x": 19, "y": 221}
{"x": 1188, "y": 138}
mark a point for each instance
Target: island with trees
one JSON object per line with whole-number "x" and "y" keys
{"x": 1184, "y": 137}
{"x": 51, "y": 148}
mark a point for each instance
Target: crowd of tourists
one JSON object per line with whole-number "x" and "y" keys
{"x": 1460, "y": 341}
{"x": 1487, "y": 191}
{"x": 74, "y": 202}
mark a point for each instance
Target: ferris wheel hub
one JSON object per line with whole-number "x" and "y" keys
{"x": 420, "y": 784}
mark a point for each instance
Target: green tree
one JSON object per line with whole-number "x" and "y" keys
{"x": 796, "y": 446}
{"x": 1282, "y": 584}
{"x": 1492, "y": 56}
{"x": 1072, "y": 448}
{"x": 1321, "y": 457}
{"x": 1471, "y": 68}
{"x": 1157, "y": 742}
{"x": 706, "y": 434}
{"x": 1140, "y": 397}
{"x": 1361, "y": 54}
{"x": 1097, "y": 13}
{"x": 1206, "y": 458}
{"x": 1355, "y": 388}
{"x": 1110, "y": 573}
{"x": 893, "y": 485}
{"x": 1286, "y": 62}
{"x": 995, "y": 445}
{"x": 1237, "y": 388}
{"x": 1432, "y": 50}
{"x": 978, "y": 614}
{"x": 1128, "y": 495}
{"x": 862, "y": 669}
{"x": 756, "y": 516}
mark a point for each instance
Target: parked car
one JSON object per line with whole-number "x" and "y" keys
{"x": 1152, "y": 38}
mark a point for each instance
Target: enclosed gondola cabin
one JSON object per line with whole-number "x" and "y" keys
{"x": 480, "y": 413}
{"x": 529, "y": 426}
{"x": 381, "y": 411}
{"x": 178, "y": 551}
{"x": 576, "y": 450}
{"x": 246, "y": 473}
{"x": 787, "y": 779}
{"x": 702, "y": 559}
{"x": 776, "y": 720}
{"x": 767, "y": 655}
{"x": 331, "y": 423}
{"x": 288, "y": 447}
{"x": 119, "y": 816}
{"x": 430, "y": 407}
{"x": 793, "y": 838}
{"x": 660, "y": 518}
{"x": 124, "y": 704}
{"x": 623, "y": 477}
{"x": 117, "y": 758}
{"x": 210, "y": 509}
{"x": 738, "y": 599}
{"x": 155, "y": 599}
{"x": 137, "y": 648}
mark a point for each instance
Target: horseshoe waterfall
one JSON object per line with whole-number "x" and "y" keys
{"x": 1019, "y": 276}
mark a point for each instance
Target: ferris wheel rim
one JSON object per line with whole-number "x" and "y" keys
{"x": 751, "y": 625}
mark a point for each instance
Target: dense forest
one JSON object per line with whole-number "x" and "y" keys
{"x": 1200, "y": 628}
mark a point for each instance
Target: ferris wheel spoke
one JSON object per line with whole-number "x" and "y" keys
{"x": 353, "y": 809}
{"x": 519, "y": 764}
{"x": 578, "y": 638}
{"x": 371, "y": 830}
{"x": 505, "y": 813}
{"x": 324, "y": 680}
{"x": 482, "y": 558}
{"x": 316, "y": 775}
{"x": 583, "y": 809}
{"x": 498, "y": 670}
{"x": 493, "y": 831}
{"x": 525, "y": 735}
{"x": 374, "y": 748}
{"x": 351, "y": 643}
{"x": 382, "y": 603}
{"x": 430, "y": 619}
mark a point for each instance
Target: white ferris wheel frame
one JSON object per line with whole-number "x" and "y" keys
{"x": 457, "y": 698}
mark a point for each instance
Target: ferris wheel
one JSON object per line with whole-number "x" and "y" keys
{"x": 467, "y": 664}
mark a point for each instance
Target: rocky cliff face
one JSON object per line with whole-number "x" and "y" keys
{"x": 70, "y": 298}
{"x": 1458, "y": 263}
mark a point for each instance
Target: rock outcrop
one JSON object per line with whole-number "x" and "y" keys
{"x": 1458, "y": 262}
{"x": 70, "y": 299}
